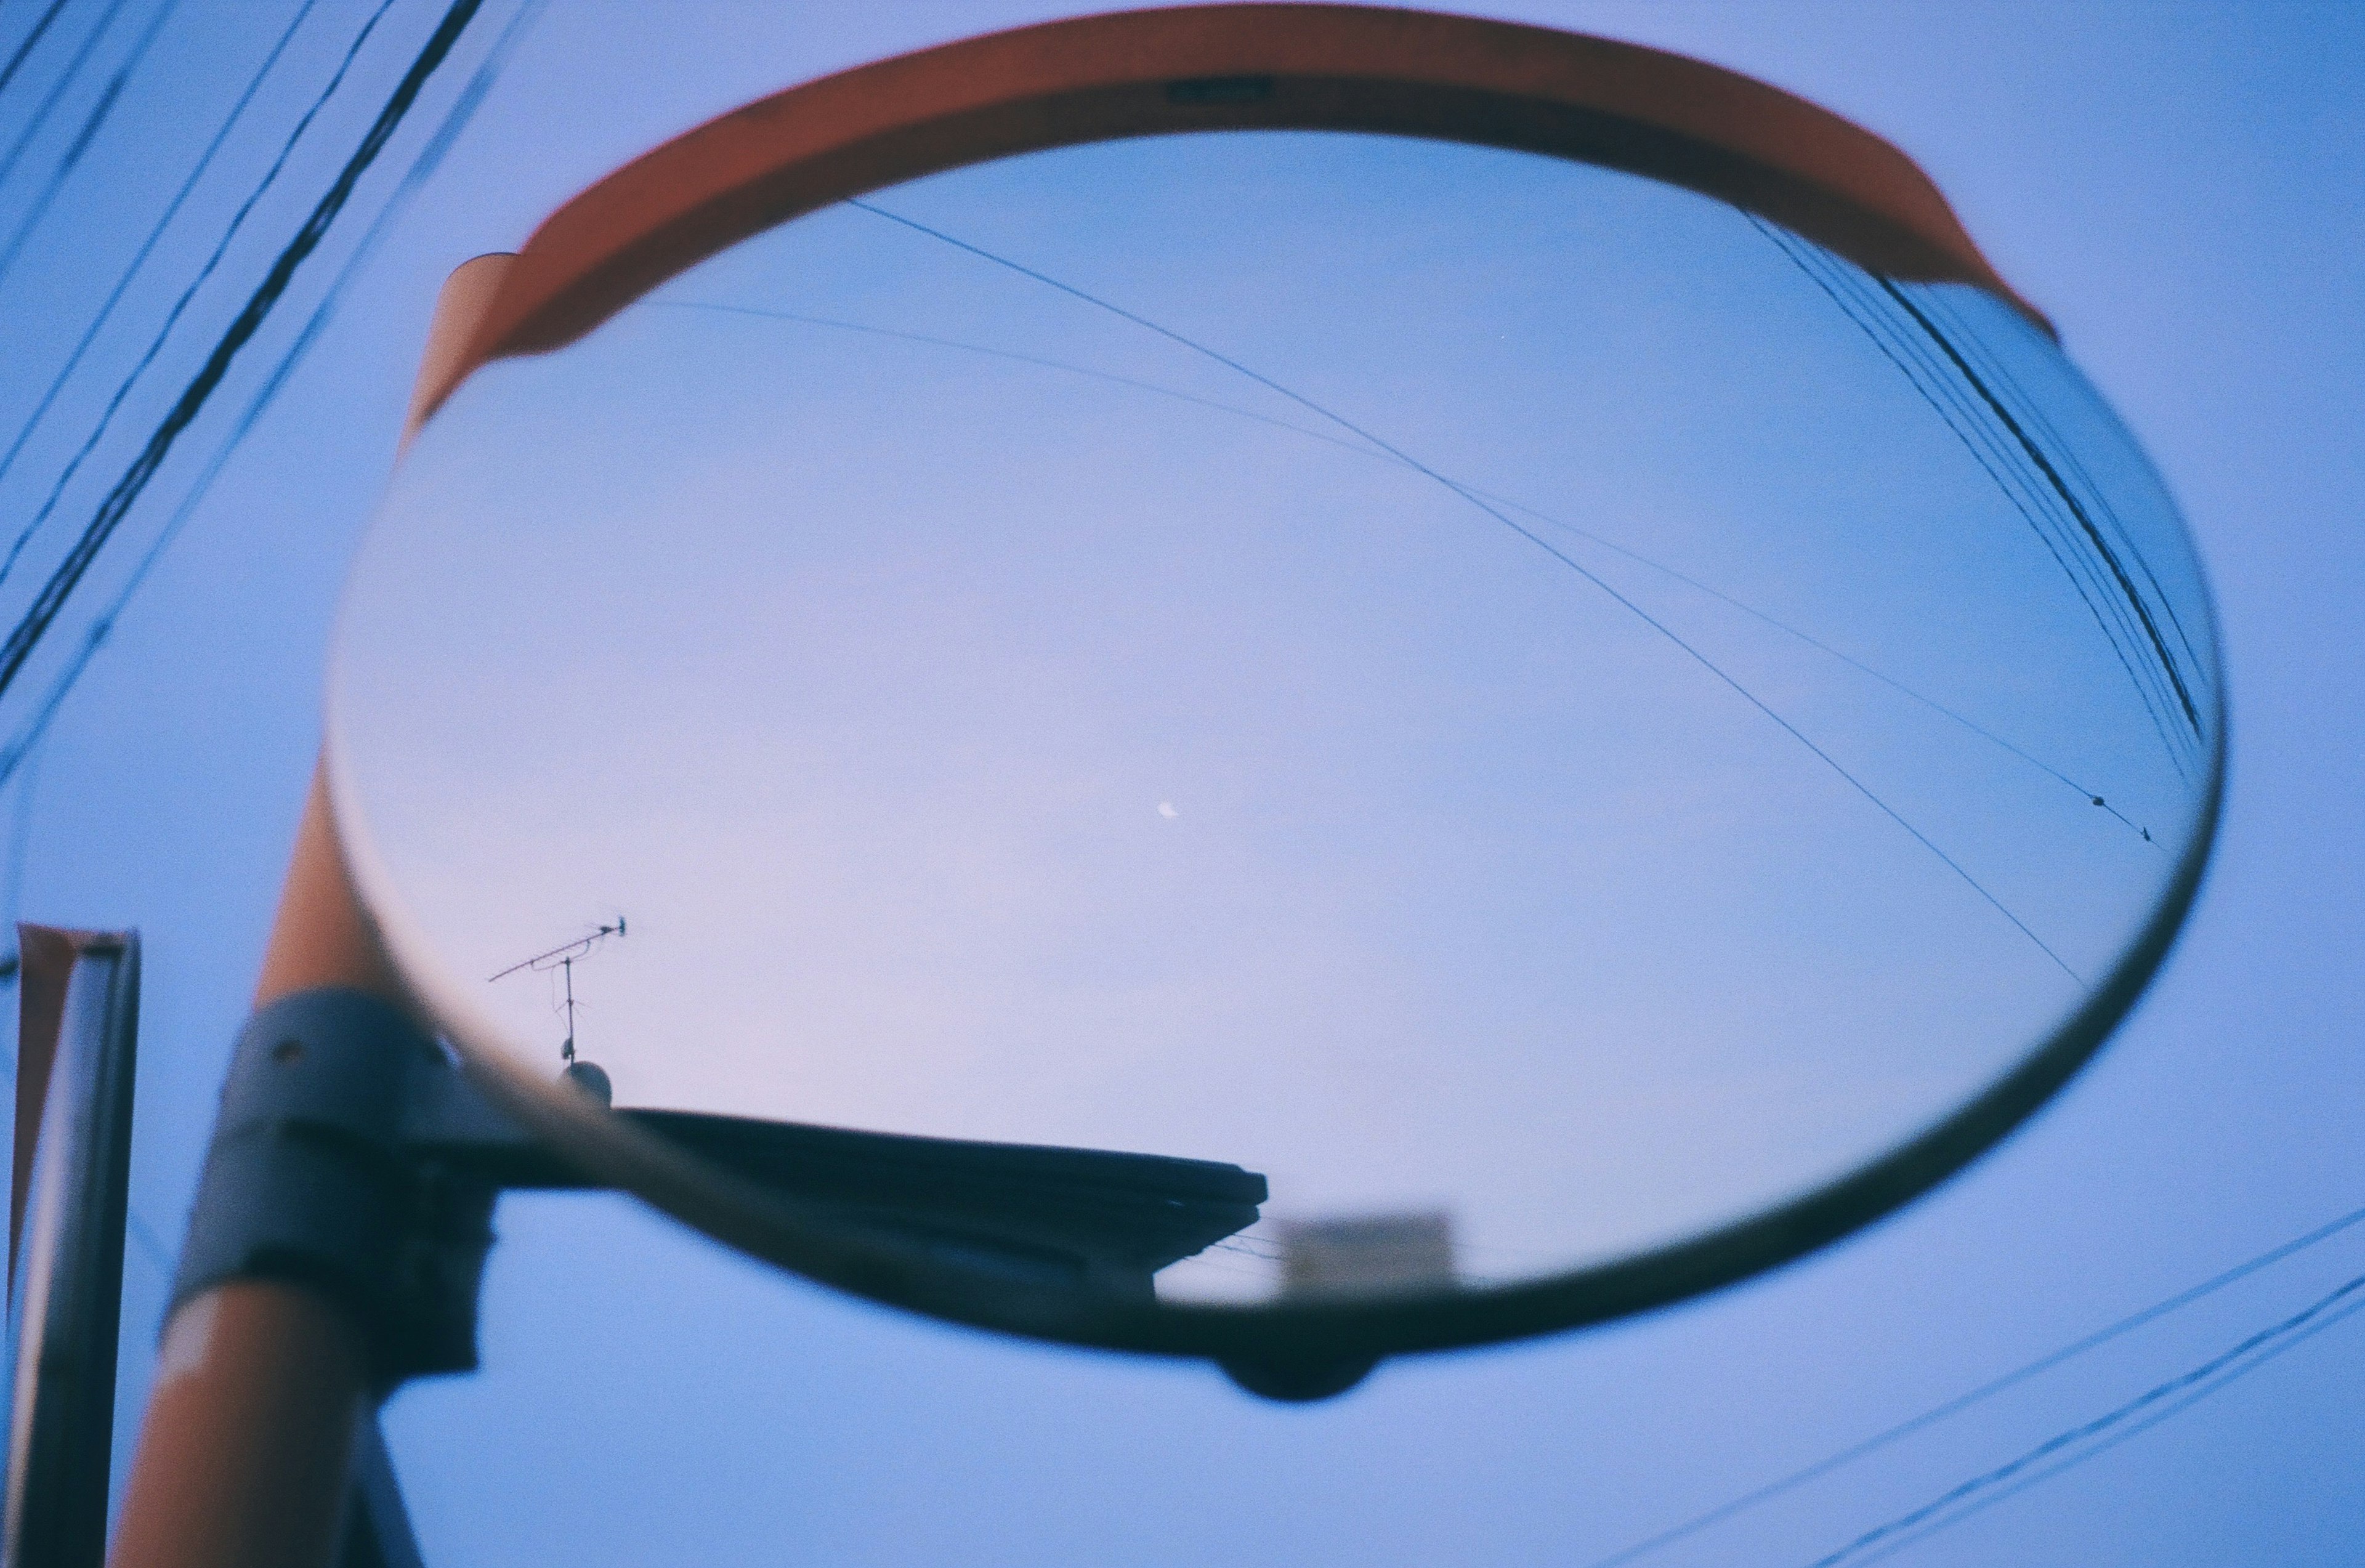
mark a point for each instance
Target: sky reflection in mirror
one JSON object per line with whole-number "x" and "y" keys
{"x": 1497, "y": 694}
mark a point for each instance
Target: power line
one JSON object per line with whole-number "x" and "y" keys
{"x": 1530, "y": 535}
{"x": 155, "y": 232}
{"x": 80, "y": 143}
{"x": 8, "y": 71}
{"x": 2186, "y": 1381}
{"x": 173, "y": 317}
{"x": 2065, "y": 452}
{"x": 1911, "y": 354}
{"x": 24, "y": 744}
{"x": 106, "y": 310}
{"x": 1812, "y": 641}
{"x": 74, "y": 68}
{"x": 1945, "y": 392}
{"x": 2037, "y": 455}
{"x": 1985, "y": 1391}
{"x": 52, "y": 597}
{"x": 2022, "y": 469}
{"x": 27, "y": 738}
{"x": 2290, "y": 1341}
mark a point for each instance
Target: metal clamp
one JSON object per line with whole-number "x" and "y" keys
{"x": 312, "y": 1179}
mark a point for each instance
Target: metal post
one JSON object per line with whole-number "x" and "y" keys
{"x": 78, "y": 1041}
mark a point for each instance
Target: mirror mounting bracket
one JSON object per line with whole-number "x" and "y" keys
{"x": 310, "y": 1181}
{"x": 351, "y": 1156}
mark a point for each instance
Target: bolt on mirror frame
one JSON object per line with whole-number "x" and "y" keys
{"x": 1208, "y": 68}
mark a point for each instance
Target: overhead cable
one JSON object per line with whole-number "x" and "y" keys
{"x": 27, "y": 632}
{"x": 173, "y": 317}
{"x": 26, "y": 741}
{"x": 80, "y": 143}
{"x": 66, "y": 79}
{"x": 2196, "y": 1383}
{"x": 1477, "y": 500}
{"x": 8, "y": 71}
{"x": 2282, "y": 1345}
{"x": 155, "y": 232}
{"x": 1984, "y": 1392}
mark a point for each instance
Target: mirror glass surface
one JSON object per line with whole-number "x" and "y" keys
{"x": 1534, "y": 712}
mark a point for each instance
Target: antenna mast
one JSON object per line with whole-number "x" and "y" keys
{"x": 562, "y": 958}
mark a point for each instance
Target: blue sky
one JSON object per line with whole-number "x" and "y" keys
{"x": 2177, "y": 195}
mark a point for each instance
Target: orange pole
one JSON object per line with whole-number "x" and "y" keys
{"x": 249, "y": 1435}
{"x": 246, "y": 1451}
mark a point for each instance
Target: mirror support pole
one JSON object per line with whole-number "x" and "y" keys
{"x": 249, "y": 1436}
{"x": 260, "y": 1384}
{"x": 246, "y": 1451}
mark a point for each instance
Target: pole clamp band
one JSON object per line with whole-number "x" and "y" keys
{"x": 308, "y": 1181}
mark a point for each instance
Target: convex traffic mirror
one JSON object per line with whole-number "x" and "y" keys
{"x": 1278, "y": 683}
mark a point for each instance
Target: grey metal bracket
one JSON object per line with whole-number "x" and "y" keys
{"x": 311, "y": 1179}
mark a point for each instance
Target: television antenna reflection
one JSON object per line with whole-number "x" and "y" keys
{"x": 563, "y": 959}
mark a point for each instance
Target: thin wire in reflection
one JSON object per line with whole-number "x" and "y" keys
{"x": 1532, "y": 537}
{"x": 2083, "y": 793}
{"x": 1911, "y": 354}
{"x": 2037, "y": 454}
{"x": 1944, "y": 392}
{"x": 2032, "y": 412}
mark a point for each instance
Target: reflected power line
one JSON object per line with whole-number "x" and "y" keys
{"x": 1361, "y": 450}
{"x": 1477, "y": 500}
{"x": 1970, "y": 409}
